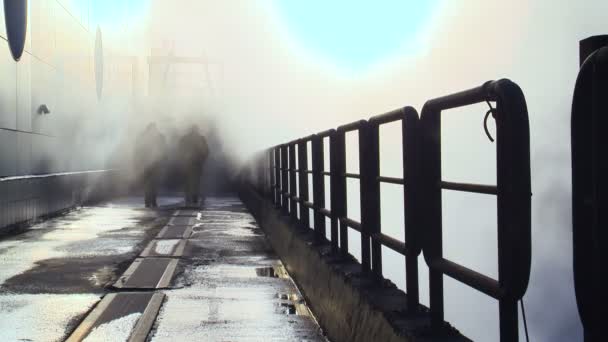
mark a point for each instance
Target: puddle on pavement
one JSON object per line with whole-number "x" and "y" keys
{"x": 102, "y": 276}
{"x": 293, "y": 304}
{"x": 276, "y": 271}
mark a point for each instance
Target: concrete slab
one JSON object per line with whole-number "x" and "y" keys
{"x": 187, "y": 212}
{"x": 53, "y": 272}
{"x": 175, "y": 232}
{"x": 164, "y": 248}
{"x": 233, "y": 287}
{"x": 148, "y": 273}
{"x": 120, "y": 316}
{"x": 182, "y": 220}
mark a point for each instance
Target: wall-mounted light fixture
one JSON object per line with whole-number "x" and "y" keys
{"x": 43, "y": 109}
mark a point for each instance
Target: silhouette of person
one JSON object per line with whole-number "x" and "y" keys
{"x": 194, "y": 151}
{"x": 150, "y": 147}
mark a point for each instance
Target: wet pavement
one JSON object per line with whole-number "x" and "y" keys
{"x": 53, "y": 272}
{"x": 232, "y": 287}
{"x": 220, "y": 279}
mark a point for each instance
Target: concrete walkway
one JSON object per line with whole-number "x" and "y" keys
{"x": 118, "y": 273}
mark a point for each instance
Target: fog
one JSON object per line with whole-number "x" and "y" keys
{"x": 261, "y": 85}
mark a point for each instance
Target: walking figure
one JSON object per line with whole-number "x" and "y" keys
{"x": 150, "y": 147}
{"x": 194, "y": 151}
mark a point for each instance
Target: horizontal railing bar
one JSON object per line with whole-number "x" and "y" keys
{"x": 326, "y": 212}
{"x": 467, "y": 276}
{"x": 390, "y": 242}
{"x": 464, "y": 98}
{"x": 352, "y": 175}
{"x": 392, "y": 116}
{"x": 306, "y": 139}
{"x": 392, "y": 180}
{"x": 312, "y": 172}
{"x": 476, "y": 188}
{"x": 309, "y": 205}
{"x": 351, "y": 223}
{"x": 353, "y": 126}
{"x": 325, "y": 133}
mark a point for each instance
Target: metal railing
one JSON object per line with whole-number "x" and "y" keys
{"x": 589, "y": 187}
{"x": 513, "y": 194}
{"x": 285, "y": 182}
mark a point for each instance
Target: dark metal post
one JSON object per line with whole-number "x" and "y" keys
{"x": 303, "y": 180}
{"x": 338, "y": 189}
{"x": 590, "y": 186}
{"x": 318, "y": 186}
{"x": 411, "y": 178}
{"x": 589, "y": 45}
{"x": 267, "y": 169}
{"x": 334, "y": 185}
{"x": 507, "y": 313}
{"x": 277, "y": 176}
{"x": 284, "y": 181}
{"x": 293, "y": 192}
{"x": 370, "y": 198}
{"x": 431, "y": 212}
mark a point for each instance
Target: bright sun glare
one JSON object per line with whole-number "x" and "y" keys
{"x": 357, "y": 34}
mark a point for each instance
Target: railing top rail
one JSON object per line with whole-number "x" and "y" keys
{"x": 325, "y": 133}
{"x": 489, "y": 91}
{"x": 394, "y": 115}
{"x": 353, "y": 126}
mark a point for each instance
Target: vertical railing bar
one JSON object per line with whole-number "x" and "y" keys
{"x": 333, "y": 180}
{"x": 303, "y": 180}
{"x": 374, "y": 198}
{"x": 365, "y": 194}
{"x": 284, "y": 181}
{"x": 293, "y": 207}
{"x": 411, "y": 178}
{"x": 432, "y": 211}
{"x": 338, "y": 191}
{"x": 318, "y": 186}
{"x": 277, "y": 177}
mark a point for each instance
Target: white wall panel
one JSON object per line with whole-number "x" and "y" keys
{"x": 8, "y": 151}
{"x": 24, "y": 94}
{"x": 8, "y": 101}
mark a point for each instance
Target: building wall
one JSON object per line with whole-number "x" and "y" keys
{"x": 56, "y": 69}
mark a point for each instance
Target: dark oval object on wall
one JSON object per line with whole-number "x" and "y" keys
{"x": 98, "y": 63}
{"x": 15, "y": 18}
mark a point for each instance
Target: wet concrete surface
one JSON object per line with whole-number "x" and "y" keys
{"x": 232, "y": 287}
{"x": 53, "y": 272}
